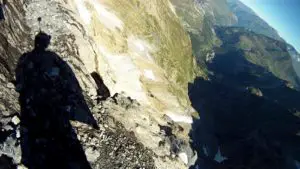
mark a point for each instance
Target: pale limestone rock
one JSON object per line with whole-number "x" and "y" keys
{"x": 10, "y": 85}
{"x": 15, "y": 120}
{"x": 183, "y": 157}
{"x": 91, "y": 154}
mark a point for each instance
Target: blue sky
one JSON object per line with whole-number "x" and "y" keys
{"x": 283, "y": 15}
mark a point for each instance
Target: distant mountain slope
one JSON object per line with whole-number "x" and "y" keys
{"x": 246, "y": 93}
{"x": 259, "y": 50}
{"x": 221, "y": 12}
{"x": 200, "y": 16}
{"x": 247, "y": 18}
{"x": 248, "y": 108}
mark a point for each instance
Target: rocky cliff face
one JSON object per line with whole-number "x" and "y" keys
{"x": 139, "y": 49}
{"x": 198, "y": 20}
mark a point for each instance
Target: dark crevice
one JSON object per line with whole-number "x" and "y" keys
{"x": 6, "y": 162}
{"x": 102, "y": 90}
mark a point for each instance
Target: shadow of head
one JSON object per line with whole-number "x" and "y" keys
{"x": 42, "y": 41}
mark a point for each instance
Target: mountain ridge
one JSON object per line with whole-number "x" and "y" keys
{"x": 249, "y": 19}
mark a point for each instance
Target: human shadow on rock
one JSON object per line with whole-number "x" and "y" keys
{"x": 239, "y": 128}
{"x": 50, "y": 96}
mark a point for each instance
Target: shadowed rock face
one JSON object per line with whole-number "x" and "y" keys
{"x": 102, "y": 90}
{"x": 249, "y": 130}
{"x": 271, "y": 54}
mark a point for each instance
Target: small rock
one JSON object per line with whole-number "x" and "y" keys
{"x": 11, "y": 149}
{"x": 91, "y": 154}
{"x": 122, "y": 100}
{"x": 2, "y": 77}
{"x": 2, "y": 107}
{"x": 84, "y": 138}
{"x": 21, "y": 167}
{"x": 93, "y": 97}
{"x": 18, "y": 135}
{"x": 183, "y": 157}
{"x": 5, "y": 113}
{"x": 94, "y": 141}
{"x": 15, "y": 120}
{"x": 219, "y": 157}
{"x": 10, "y": 85}
{"x": 7, "y": 127}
